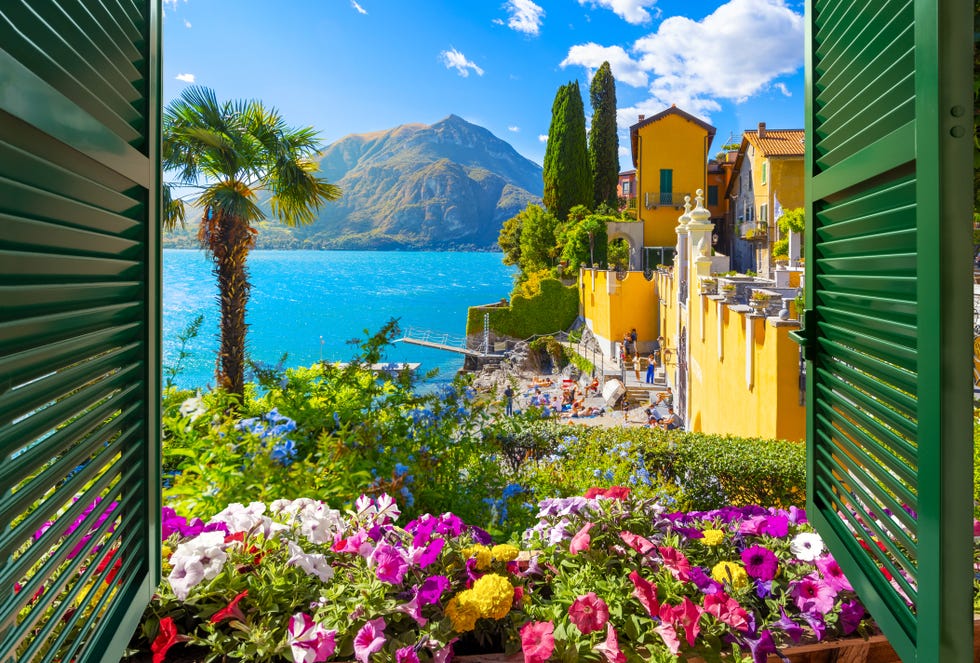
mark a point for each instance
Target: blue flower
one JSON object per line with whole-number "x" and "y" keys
{"x": 597, "y": 473}
{"x": 401, "y": 469}
{"x": 609, "y": 475}
{"x": 284, "y": 452}
{"x": 407, "y": 494}
{"x": 512, "y": 489}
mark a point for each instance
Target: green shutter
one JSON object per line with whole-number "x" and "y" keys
{"x": 666, "y": 186}
{"x": 887, "y": 335}
{"x": 79, "y": 325}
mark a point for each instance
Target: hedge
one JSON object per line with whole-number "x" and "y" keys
{"x": 689, "y": 470}
{"x": 553, "y": 309}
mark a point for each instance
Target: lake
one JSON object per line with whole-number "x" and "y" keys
{"x": 308, "y": 304}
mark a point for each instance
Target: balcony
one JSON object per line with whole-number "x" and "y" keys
{"x": 655, "y": 199}
{"x": 753, "y": 231}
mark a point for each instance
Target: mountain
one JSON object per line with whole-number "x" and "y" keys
{"x": 450, "y": 185}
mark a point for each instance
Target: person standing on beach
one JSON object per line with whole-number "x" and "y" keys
{"x": 651, "y": 367}
{"x": 509, "y": 400}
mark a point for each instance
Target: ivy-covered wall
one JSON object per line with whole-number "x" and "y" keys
{"x": 554, "y": 308}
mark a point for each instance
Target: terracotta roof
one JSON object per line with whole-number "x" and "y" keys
{"x": 778, "y": 142}
{"x": 673, "y": 110}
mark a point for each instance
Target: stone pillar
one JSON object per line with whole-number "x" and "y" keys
{"x": 795, "y": 239}
{"x": 699, "y": 232}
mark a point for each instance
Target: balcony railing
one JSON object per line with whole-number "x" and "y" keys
{"x": 753, "y": 231}
{"x": 655, "y": 199}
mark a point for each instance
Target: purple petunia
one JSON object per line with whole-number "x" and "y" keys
{"x": 431, "y": 590}
{"x": 851, "y": 614}
{"x": 704, "y": 582}
{"x": 760, "y": 562}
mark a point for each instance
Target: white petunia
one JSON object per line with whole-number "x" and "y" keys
{"x": 807, "y": 546}
{"x": 313, "y": 564}
{"x": 193, "y": 407}
{"x": 187, "y": 573}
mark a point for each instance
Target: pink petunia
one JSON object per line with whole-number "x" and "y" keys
{"x": 646, "y": 593}
{"x": 760, "y": 562}
{"x": 390, "y": 564}
{"x": 413, "y": 609}
{"x": 406, "y": 655}
{"x": 689, "y": 616}
{"x": 669, "y": 636}
{"x": 832, "y": 573}
{"x": 637, "y": 542}
{"x": 589, "y": 613}
{"x": 537, "y": 641}
{"x": 370, "y": 639}
{"x": 610, "y": 647}
{"x": 727, "y": 610}
{"x": 676, "y": 563}
{"x": 812, "y": 595}
{"x": 581, "y": 540}
{"x": 308, "y": 641}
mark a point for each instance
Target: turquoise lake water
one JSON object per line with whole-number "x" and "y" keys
{"x": 299, "y": 297}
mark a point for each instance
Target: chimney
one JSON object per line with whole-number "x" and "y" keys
{"x": 762, "y": 130}
{"x": 642, "y": 117}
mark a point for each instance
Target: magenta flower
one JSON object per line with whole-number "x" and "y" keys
{"x": 689, "y": 615}
{"x": 832, "y": 573}
{"x": 812, "y": 595}
{"x": 589, "y": 613}
{"x": 646, "y": 593}
{"x": 581, "y": 540}
{"x": 431, "y": 590}
{"x": 308, "y": 641}
{"x": 676, "y": 563}
{"x": 776, "y": 526}
{"x": 851, "y": 614}
{"x": 637, "y": 542}
{"x": 425, "y": 556}
{"x": 413, "y": 609}
{"x": 760, "y": 562}
{"x": 406, "y": 655}
{"x": 370, "y": 639}
{"x": 610, "y": 646}
{"x": 390, "y": 565}
{"x": 537, "y": 641}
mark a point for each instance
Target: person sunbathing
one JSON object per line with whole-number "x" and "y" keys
{"x": 546, "y": 382}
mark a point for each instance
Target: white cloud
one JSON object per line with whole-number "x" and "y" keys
{"x": 360, "y": 9}
{"x": 453, "y": 59}
{"x": 187, "y": 23}
{"x": 543, "y": 138}
{"x": 732, "y": 54}
{"x": 187, "y": 78}
{"x": 782, "y": 88}
{"x": 631, "y": 11}
{"x": 525, "y": 16}
{"x": 592, "y": 55}
{"x": 514, "y": 128}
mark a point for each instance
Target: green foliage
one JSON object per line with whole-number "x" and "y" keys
{"x": 792, "y": 220}
{"x": 537, "y": 239}
{"x": 567, "y": 177}
{"x": 976, "y": 464}
{"x": 683, "y": 470}
{"x": 509, "y": 239}
{"x": 618, "y": 254}
{"x": 331, "y": 432}
{"x": 549, "y": 350}
{"x": 780, "y": 248}
{"x": 553, "y": 308}
{"x": 578, "y": 247}
{"x": 603, "y": 137}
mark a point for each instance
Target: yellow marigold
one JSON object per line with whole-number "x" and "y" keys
{"x": 493, "y": 595}
{"x": 481, "y": 553}
{"x": 504, "y": 552}
{"x": 730, "y": 572}
{"x": 712, "y": 537}
{"x": 462, "y": 611}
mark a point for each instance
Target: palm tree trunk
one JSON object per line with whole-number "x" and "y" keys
{"x": 229, "y": 241}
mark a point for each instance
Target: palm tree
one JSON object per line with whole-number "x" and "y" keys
{"x": 234, "y": 152}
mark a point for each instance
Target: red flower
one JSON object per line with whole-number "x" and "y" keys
{"x": 613, "y": 492}
{"x": 589, "y": 613}
{"x": 231, "y": 610}
{"x": 676, "y": 563}
{"x": 537, "y": 641}
{"x": 166, "y": 638}
{"x": 105, "y": 562}
{"x": 646, "y": 593}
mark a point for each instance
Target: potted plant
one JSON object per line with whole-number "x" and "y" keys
{"x": 759, "y": 300}
{"x": 709, "y": 286}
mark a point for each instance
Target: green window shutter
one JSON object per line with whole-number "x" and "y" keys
{"x": 666, "y": 186}
{"x": 887, "y": 335}
{"x": 79, "y": 325}
{"x": 712, "y": 195}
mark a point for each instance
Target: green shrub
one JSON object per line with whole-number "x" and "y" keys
{"x": 683, "y": 470}
{"x": 552, "y": 309}
{"x": 780, "y": 248}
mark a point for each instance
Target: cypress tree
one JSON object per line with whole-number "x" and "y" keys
{"x": 567, "y": 175}
{"x": 603, "y": 138}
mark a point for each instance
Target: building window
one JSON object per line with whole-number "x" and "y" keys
{"x": 666, "y": 186}
{"x": 765, "y": 169}
{"x": 764, "y": 212}
{"x": 626, "y": 187}
{"x": 712, "y": 195}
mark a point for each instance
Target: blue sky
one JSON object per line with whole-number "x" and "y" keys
{"x": 355, "y": 66}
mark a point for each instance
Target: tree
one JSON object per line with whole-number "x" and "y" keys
{"x": 567, "y": 176}
{"x": 235, "y": 151}
{"x": 792, "y": 220}
{"x": 509, "y": 239}
{"x": 586, "y": 241}
{"x": 538, "y": 247}
{"x": 603, "y": 138}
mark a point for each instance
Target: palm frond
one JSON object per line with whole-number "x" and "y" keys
{"x": 173, "y": 209}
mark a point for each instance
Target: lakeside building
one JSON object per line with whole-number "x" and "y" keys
{"x": 626, "y": 190}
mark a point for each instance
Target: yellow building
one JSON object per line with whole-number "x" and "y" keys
{"x": 670, "y": 153}
{"x": 767, "y": 178}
